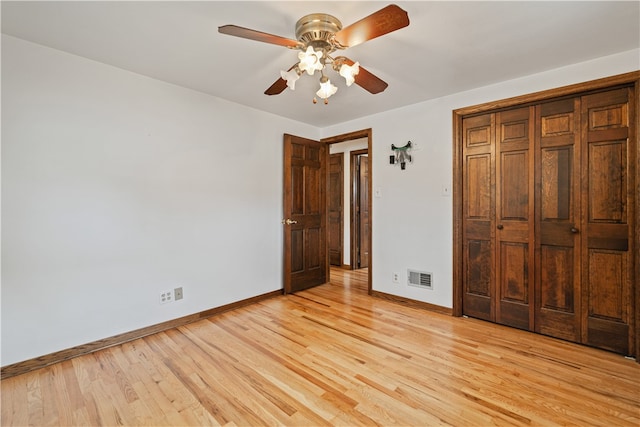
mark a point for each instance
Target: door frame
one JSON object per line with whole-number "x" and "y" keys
{"x": 359, "y": 134}
{"x": 537, "y": 97}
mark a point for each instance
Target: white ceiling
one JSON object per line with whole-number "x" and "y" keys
{"x": 448, "y": 47}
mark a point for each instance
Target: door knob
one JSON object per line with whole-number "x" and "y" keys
{"x": 500, "y": 226}
{"x": 574, "y": 230}
{"x": 288, "y": 221}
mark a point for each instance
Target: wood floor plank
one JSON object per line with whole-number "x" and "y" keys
{"x": 16, "y": 404}
{"x": 332, "y": 355}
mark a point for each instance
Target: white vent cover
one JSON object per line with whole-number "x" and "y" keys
{"x": 420, "y": 279}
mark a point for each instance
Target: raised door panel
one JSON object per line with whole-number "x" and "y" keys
{"x": 478, "y": 217}
{"x": 608, "y": 319}
{"x": 478, "y": 273}
{"x": 514, "y": 217}
{"x": 478, "y": 203}
{"x": 514, "y": 267}
{"x": 608, "y": 244}
{"x": 557, "y": 285}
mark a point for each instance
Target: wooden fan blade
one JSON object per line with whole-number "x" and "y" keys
{"x": 279, "y": 85}
{"x": 367, "y": 80}
{"x": 246, "y": 33}
{"x": 377, "y": 24}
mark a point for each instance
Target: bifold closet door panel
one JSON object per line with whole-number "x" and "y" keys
{"x": 514, "y": 217}
{"x": 557, "y": 203}
{"x": 607, "y": 244}
{"x": 478, "y": 217}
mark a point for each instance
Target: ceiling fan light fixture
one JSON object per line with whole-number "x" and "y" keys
{"x": 310, "y": 60}
{"x": 291, "y": 77}
{"x": 318, "y": 36}
{"x": 349, "y": 72}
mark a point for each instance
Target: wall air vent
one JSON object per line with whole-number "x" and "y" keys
{"x": 420, "y": 279}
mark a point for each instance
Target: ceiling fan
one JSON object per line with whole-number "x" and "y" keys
{"x": 318, "y": 36}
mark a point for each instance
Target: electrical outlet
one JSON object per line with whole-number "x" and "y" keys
{"x": 166, "y": 297}
{"x": 177, "y": 293}
{"x": 396, "y": 277}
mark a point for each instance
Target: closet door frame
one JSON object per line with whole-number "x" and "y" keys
{"x": 632, "y": 78}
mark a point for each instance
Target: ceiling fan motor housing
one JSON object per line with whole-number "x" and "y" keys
{"x": 317, "y": 30}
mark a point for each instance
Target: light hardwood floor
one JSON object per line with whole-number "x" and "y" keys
{"x": 332, "y": 355}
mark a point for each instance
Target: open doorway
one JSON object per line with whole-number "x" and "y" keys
{"x": 359, "y": 212}
{"x": 349, "y": 202}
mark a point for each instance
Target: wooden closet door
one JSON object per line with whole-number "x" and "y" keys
{"x": 514, "y": 235}
{"x": 607, "y": 239}
{"x": 572, "y": 272}
{"x": 478, "y": 217}
{"x": 557, "y": 283}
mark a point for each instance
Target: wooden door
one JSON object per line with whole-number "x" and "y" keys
{"x": 478, "y": 216}
{"x": 335, "y": 214}
{"x": 514, "y": 235}
{"x": 558, "y": 282}
{"x": 363, "y": 211}
{"x": 607, "y": 211}
{"x": 304, "y": 188}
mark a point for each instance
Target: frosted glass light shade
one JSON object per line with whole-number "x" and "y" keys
{"x": 349, "y": 72}
{"x": 310, "y": 61}
{"x": 326, "y": 89}
{"x": 291, "y": 77}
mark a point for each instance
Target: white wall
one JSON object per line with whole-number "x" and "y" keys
{"x": 115, "y": 187}
{"x": 412, "y": 219}
{"x": 347, "y": 147}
